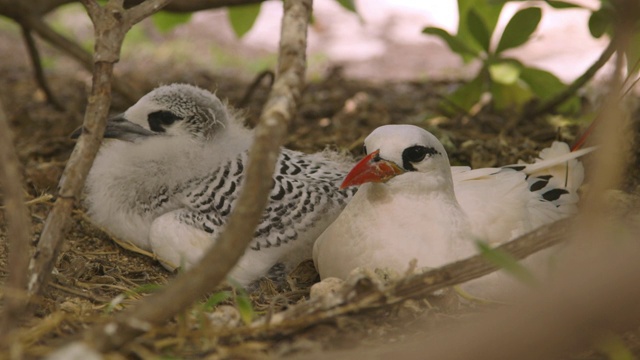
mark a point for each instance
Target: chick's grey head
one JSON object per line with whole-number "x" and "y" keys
{"x": 171, "y": 110}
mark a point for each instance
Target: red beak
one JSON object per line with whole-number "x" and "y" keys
{"x": 371, "y": 169}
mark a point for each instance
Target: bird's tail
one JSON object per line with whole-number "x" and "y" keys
{"x": 557, "y": 174}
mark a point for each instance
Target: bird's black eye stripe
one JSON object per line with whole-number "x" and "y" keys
{"x": 159, "y": 119}
{"x": 415, "y": 154}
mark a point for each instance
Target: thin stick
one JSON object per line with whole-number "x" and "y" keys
{"x": 111, "y": 23}
{"x": 592, "y": 296}
{"x": 18, "y": 232}
{"x": 211, "y": 270}
{"x": 75, "y": 51}
{"x": 197, "y": 5}
{"x": 416, "y": 286}
{"x": 37, "y": 67}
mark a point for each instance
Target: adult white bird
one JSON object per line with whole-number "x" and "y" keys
{"x": 170, "y": 182}
{"x": 412, "y": 204}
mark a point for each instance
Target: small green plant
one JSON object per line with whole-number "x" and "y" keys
{"x": 510, "y": 82}
{"x": 243, "y": 302}
{"x": 216, "y": 299}
{"x": 506, "y": 262}
{"x": 245, "y": 307}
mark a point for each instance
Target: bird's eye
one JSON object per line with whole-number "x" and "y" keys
{"x": 159, "y": 119}
{"x": 364, "y": 149}
{"x": 414, "y": 154}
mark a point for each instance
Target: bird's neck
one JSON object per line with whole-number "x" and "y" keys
{"x": 436, "y": 183}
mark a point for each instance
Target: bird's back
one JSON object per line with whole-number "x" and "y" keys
{"x": 503, "y": 203}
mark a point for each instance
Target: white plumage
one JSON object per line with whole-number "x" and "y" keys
{"x": 412, "y": 205}
{"x": 170, "y": 180}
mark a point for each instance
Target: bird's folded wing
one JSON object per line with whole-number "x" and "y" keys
{"x": 324, "y": 167}
{"x": 512, "y": 200}
{"x": 496, "y": 204}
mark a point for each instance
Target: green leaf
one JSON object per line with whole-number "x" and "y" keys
{"x": 505, "y": 72}
{"x": 145, "y": 289}
{"x": 512, "y": 96}
{"x": 454, "y": 43}
{"x": 242, "y": 17}
{"x": 348, "y": 4}
{"x": 488, "y": 10}
{"x": 506, "y": 262}
{"x": 245, "y": 308}
{"x": 562, "y": 4}
{"x": 216, "y": 299}
{"x": 545, "y": 85}
{"x": 600, "y": 23}
{"x": 479, "y": 30}
{"x": 465, "y": 96}
{"x": 243, "y": 303}
{"x": 519, "y": 28}
{"x": 166, "y": 21}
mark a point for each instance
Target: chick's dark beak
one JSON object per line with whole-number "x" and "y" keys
{"x": 121, "y": 129}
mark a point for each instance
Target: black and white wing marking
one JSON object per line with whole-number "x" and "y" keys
{"x": 305, "y": 196}
{"x": 305, "y": 192}
{"x": 209, "y": 199}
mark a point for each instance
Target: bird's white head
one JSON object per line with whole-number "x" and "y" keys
{"x": 178, "y": 110}
{"x": 394, "y": 150}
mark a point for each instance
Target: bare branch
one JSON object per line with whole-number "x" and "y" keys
{"x": 18, "y": 232}
{"x": 48, "y": 34}
{"x": 13, "y": 9}
{"x": 270, "y": 133}
{"x": 73, "y": 178}
{"x": 111, "y": 24}
{"x": 578, "y": 83}
{"x": 93, "y": 9}
{"x": 37, "y": 67}
{"x": 147, "y": 8}
{"x": 75, "y": 51}
{"x": 416, "y": 286}
{"x": 197, "y": 5}
{"x": 592, "y": 295}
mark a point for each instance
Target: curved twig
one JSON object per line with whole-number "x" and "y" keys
{"x": 254, "y": 86}
{"x": 74, "y": 50}
{"x": 570, "y": 90}
{"x": 37, "y": 67}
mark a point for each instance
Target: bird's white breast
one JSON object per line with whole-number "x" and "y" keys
{"x": 131, "y": 184}
{"x": 389, "y": 229}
